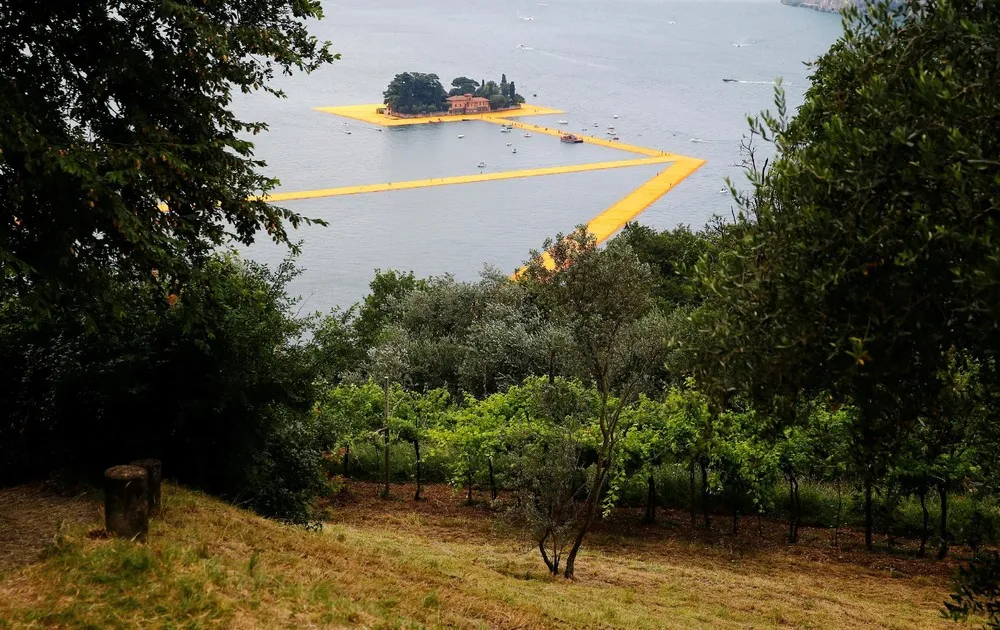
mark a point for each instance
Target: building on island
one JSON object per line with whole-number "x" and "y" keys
{"x": 468, "y": 104}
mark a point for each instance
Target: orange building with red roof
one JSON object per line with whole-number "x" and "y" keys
{"x": 468, "y": 104}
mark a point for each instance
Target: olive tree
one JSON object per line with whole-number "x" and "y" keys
{"x": 603, "y": 299}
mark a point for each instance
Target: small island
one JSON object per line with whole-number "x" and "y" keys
{"x": 420, "y": 94}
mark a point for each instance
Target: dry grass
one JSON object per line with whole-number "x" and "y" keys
{"x": 438, "y": 563}
{"x": 30, "y": 515}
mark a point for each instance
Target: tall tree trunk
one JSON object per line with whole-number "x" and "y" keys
{"x": 840, "y": 506}
{"x": 943, "y": 548}
{"x": 493, "y": 480}
{"x": 416, "y": 450}
{"x": 704, "y": 495}
{"x": 469, "y": 477}
{"x": 347, "y": 458}
{"x": 593, "y": 501}
{"x": 736, "y": 518}
{"x": 691, "y": 493}
{"x": 869, "y": 521}
{"x": 385, "y": 491}
{"x": 925, "y": 529}
{"x": 650, "y": 500}
{"x": 553, "y": 567}
{"x": 793, "y": 509}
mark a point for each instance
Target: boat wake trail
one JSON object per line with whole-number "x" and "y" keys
{"x": 568, "y": 59}
{"x": 752, "y": 82}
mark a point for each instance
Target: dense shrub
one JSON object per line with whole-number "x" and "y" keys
{"x": 214, "y": 382}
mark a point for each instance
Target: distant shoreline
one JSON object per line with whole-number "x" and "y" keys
{"x": 827, "y": 6}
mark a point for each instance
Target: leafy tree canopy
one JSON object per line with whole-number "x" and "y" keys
{"x": 415, "y": 92}
{"x": 109, "y": 111}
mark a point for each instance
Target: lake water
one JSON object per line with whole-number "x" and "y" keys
{"x": 657, "y": 64}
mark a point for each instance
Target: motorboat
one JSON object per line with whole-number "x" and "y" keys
{"x": 569, "y": 138}
{"x": 504, "y": 130}
{"x": 515, "y": 150}
{"x": 461, "y": 135}
{"x": 609, "y": 132}
{"x": 614, "y": 137}
{"x": 729, "y": 80}
{"x": 596, "y": 125}
{"x": 563, "y": 122}
{"x": 508, "y": 144}
{"x": 611, "y": 127}
{"x": 481, "y": 165}
{"x": 615, "y": 116}
{"x": 527, "y": 135}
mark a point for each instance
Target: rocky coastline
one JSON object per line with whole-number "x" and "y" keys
{"x": 831, "y": 6}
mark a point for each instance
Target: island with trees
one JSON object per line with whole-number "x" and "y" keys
{"x": 421, "y": 94}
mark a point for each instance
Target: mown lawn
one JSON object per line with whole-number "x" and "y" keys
{"x": 439, "y": 563}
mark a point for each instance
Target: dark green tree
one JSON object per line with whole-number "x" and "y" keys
{"x": 463, "y": 85}
{"x": 415, "y": 92}
{"x": 870, "y": 242}
{"x": 381, "y": 307}
{"x": 108, "y": 111}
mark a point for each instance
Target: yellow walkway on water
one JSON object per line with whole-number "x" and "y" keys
{"x": 603, "y": 226}
{"x": 369, "y": 114}
{"x": 463, "y": 179}
{"x": 606, "y": 224}
{"x": 611, "y": 144}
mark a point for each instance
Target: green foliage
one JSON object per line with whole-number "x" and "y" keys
{"x": 226, "y": 406}
{"x": 416, "y": 92}
{"x": 349, "y": 414}
{"x": 978, "y": 591}
{"x": 672, "y": 254}
{"x": 109, "y": 111}
{"x": 463, "y": 85}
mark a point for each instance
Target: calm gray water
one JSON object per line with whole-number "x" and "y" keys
{"x": 657, "y": 64}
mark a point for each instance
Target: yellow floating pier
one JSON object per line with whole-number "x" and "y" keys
{"x": 603, "y": 226}
{"x": 369, "y": 114}
{"x": 606, "y": 224}
{"x": 463, "y": 179}
{"x": 604, "y": 142}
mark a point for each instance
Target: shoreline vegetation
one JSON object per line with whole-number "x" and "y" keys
{"x": 416, "y": 94}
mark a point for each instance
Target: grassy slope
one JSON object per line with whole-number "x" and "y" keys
{"x": 440, "y": 564}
